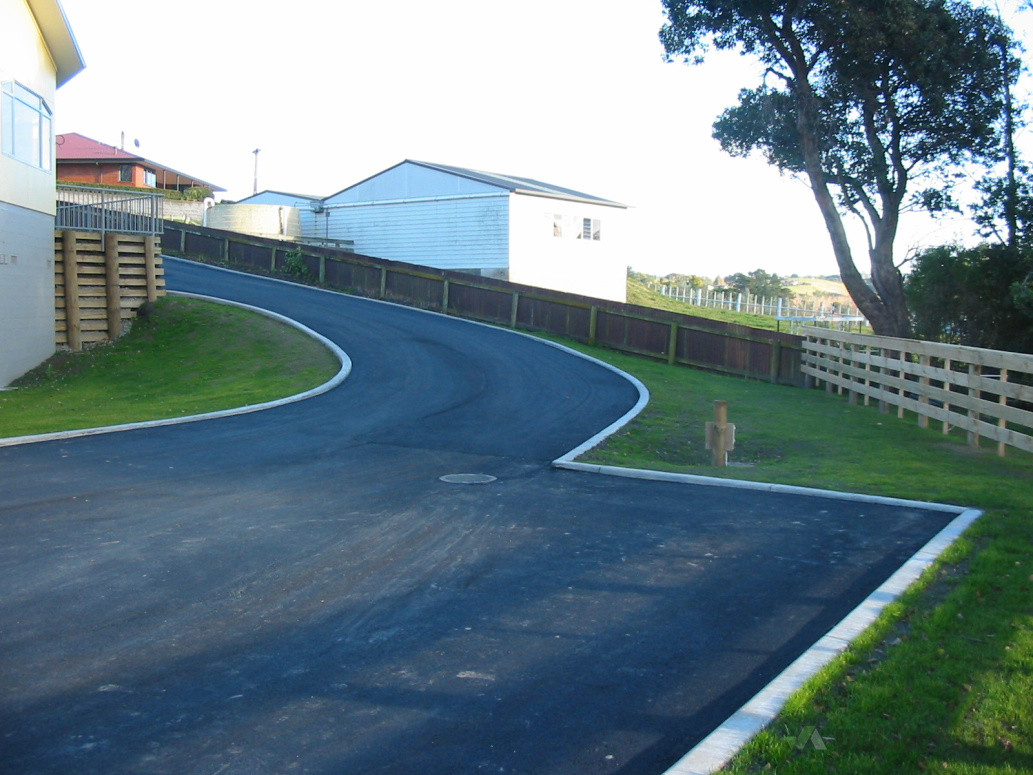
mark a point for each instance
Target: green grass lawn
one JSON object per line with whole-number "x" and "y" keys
{"x": 187, "y": 357}
{"x": 944, "y": 681}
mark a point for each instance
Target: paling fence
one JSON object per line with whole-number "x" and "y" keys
{"x": 669, "y": 336}
{"x": 100, "y": 282}
{"x": 988, "y": 394}
{"x": 791, "y": 314}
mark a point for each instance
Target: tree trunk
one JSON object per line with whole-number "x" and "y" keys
{"x": 885, "y": 306}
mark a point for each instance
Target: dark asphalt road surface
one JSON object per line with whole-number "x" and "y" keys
{"x": 295, "y": 590}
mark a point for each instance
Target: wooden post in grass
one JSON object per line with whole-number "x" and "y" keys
{"x": 151, "y": 267}
{"x": 73, "y": 319}
{"x": 720, "y": 435}
{"x": 113, "y": 292}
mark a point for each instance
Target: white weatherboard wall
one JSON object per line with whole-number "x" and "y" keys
{"x": 465, "y": 234}
{"x": 548, "y": 248}
{"x": 421, "y": 216}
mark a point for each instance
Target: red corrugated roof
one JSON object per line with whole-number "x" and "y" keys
{"x": 75, "y": 146}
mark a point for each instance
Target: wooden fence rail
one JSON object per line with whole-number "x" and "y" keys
{"x": 100, "y": 281}
{"x": 670, "y": 336}
{"x": 987, "y": 393}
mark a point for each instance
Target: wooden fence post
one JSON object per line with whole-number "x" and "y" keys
{"x": 923, "y": 419}
{"x": 973, "y": 434}
{"x": 901, "y": 391}
{"x": 1002, "y": 423}
{"x": 720, "y": 435}
{"x": 113, "y": 293}
{"x": 775, "y": 367}
{"x": 672, "y": 345}
{"x": 383, "y": 281}
{"x": 514, "y": 308}
{"x": 851, "y": 394}
{"x": 322, "y": 268}
{"x": 73, "y": 320}
{"x": 593, "y": 325}
{"x": 444, "y": 296}
{"x": 150, "y": 267}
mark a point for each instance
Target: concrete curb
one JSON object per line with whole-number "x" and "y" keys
{"x": 716, "y": 749}
{"x": 337, "y": 379}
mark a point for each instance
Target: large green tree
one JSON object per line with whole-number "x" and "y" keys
{"x": 759, "y": 283}
{"x": 866, "y": 98}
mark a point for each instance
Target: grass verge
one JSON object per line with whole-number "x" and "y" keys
{"x": 943, "y": 681}
{"x": 186, "y": 357}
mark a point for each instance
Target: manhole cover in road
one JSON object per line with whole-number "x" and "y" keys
{"x": 467, "y": 478}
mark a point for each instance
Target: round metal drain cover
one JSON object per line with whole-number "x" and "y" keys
{"x": 468, "y": 478}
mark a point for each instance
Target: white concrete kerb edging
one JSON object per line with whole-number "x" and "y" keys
{"x": 716, "y": 749}
{"x": 336, "y": 380}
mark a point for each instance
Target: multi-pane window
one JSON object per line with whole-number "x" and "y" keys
{"x": 125, "y": 173}
{"x": 579, "y": 228}
{"x": 25, "y": 126}
{"x": 590, "y": 229}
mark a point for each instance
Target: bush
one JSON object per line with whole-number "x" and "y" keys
{"x": 981, "y": 297}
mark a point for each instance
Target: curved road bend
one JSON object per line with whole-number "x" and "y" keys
{"x": 296, "y": 590}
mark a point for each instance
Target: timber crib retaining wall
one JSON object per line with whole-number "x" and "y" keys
{"x": 670, "y": 336}
{"x": 100, "y": 280}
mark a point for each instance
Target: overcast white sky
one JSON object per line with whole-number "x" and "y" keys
{"x": 571, "y": 92}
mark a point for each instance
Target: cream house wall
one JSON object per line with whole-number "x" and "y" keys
{"x": 27, "y": 205}
{"x": 25, "y": 58}
{"x": 548, "y": 248}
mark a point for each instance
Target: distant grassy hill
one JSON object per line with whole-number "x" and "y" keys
{"x": 639, "y": 294}
{"x": 822, "y": 288}
{"x": 807, "y": 290}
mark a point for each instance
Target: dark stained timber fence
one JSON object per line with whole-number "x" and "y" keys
{"x": 676, "y": 338}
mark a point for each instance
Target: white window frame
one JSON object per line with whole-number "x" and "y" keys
{"x": 26, "y": 126}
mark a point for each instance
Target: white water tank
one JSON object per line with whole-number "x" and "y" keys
{"x": 275, "y": 221}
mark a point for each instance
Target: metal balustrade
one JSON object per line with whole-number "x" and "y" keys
{"x": 82, "y": 208}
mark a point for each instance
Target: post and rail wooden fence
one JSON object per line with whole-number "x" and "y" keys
{"x": 100, "y": 282}
{"x": 674, "y": 337}
{"x": 986, "y": 393}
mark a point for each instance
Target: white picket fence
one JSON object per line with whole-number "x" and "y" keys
{"x": 831, "y": 314}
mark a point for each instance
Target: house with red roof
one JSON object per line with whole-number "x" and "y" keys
{"x": 89, "y": 162}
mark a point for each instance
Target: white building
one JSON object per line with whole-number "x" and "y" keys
{"x": 38, "y": 53}
{"x": 499, "y": 226}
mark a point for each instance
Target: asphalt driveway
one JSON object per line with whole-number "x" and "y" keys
{"x": 297, "y": 590}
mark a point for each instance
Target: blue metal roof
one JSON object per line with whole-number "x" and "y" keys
{"x": 518, "y": 185}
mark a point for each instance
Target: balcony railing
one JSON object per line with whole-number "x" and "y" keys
{"x": 81, "y": 208}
